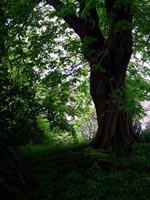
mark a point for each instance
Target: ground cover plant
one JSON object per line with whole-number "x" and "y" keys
{"x": 75, "y": 172}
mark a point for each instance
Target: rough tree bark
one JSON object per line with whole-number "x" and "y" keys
{"x": 107, "y": 83}
{"x": 108, "y": 60}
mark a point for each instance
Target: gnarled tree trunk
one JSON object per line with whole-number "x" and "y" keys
{"x": 108, "y": 57}
{"x": 114, "y": 123}
{"x": 107, "y": 81}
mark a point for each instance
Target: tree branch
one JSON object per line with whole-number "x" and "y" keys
{"x": 79, "y": 25}
{"x": 72, "y": 20}
{"x": 120, "y": 33}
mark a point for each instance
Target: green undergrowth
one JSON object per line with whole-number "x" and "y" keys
{"x": 71, "y": 172}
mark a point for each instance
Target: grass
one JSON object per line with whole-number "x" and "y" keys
{"x": 71, "y": 172}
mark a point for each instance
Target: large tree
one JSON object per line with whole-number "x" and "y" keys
{"x": 105, "y": 30}
{"x": 108, "y": 54}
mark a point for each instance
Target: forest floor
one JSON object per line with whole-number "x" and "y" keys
{"x": 39, "y": 172}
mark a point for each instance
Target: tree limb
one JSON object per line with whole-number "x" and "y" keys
{"x": 78, "y": 24}
{"x": 72, "y": 20}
